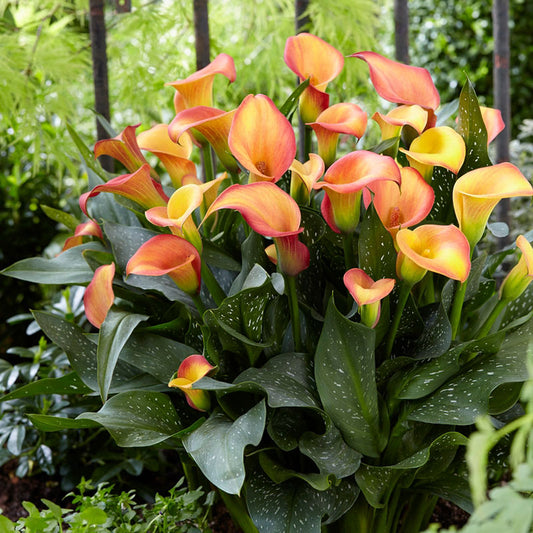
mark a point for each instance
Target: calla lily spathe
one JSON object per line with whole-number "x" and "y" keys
{"x": 271, "y": 212}
{"x": 345, "y": 118}
{"x": 440, "y": 249}
{"x": 262, "y": 139}
{"x": 99, "y": 296}
{"x": 308, "y": 56}
{"x": 368, "y": 294}
{"x": 392, "y": 123}
{"x": 172, "y": 255}
{"x": 197, "y": 89}
{"x": 89, "y": 228}
{"x": 521, "y": 275}
{"x": 476, "y": 194}
{"x": 192, "y": 369}
{"x": 304, "y": 176}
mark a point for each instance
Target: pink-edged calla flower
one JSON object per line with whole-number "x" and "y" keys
{"x": 401, "y": 206}
{"x": 521, "y": 275}
{"x": 310, "y": 57}
{"x": 399, "y": 83}
{"x": 476, "y": 194}
{"x": 262, "y": 139}
{"x": 492, "y": 118}
{"x": 368, "y": 294}
{"x": 207, "y": 124}
{"x": 271, "y": 212}
{"x": 197, "y": 89}
{"x": 392, "y": 123}
{"x": 123, "y": 148}
{"x": 174, "y": 156}
{"x": 139, "y": 187}
{"x": 436, "y": 147}
{"x": 192, "y": 369}
{"x": 304, "y": 176}
{"x": 98, "y": 297}
{"x": 345, "y": 118}
{"x": 172, "y": 255}
{"x": 89, "y": 228}
{"x": 344, "y": 182}
{"x": 440, "y": 249}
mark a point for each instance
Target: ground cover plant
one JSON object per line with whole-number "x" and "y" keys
{"x": 316, "y": 336}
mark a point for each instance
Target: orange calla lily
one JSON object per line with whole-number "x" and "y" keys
{"x": 262, "y": 139}
{"x": 401, "y": 206}
{"x": 197, "y": 89}
{"x": 304, "y": 176}
{"x": 310, "y": 57}
{"x": 440, "y": 147}
{"x": 123, "y": 148}
{"x": 174, "y": 156}
{"x": 521, "y": 275}
{"x": 367, "y": 293}
{"x": 440, "y": 249}
{"x": 192, "y": 369}
{"x": 98, "y": 297}
{"x": 405, "y": 115}
{"x": 344, "y": 182}
{"x": 271, "y": 212}
{"x": 476, "y": 194}
{"x": 212, "y": 125}
{"x": 492, "y": 118}
{"x": 172, "y": 255}
{"x": 399, "y": 83}
{"x": 345, "y": 118}
{"x": 89, "y": 228}
{"x": 139, "y": 187}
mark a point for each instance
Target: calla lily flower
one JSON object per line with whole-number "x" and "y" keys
{"x": 476, "y": 194}
{"x": 123, "y": 148}
{"x": 197, "y": 89}
{"x": 392, "y": 123}
{"x": 172, "y": 255}
{"x": 271, "y": 212}
{"x": 208, "y": 124}
{"x": 262, "y": 139}
{"x": 440, "y": 249}
{"x": 344, "y": 182}
{"x": 310, "y": 57}
{"x": 399, "y": 83}
{"x": 345, "y": 118}
{"x": 89, "y": 228}
{"x": 191, "y": 370}
{"x": 492, "y": 118}
{"x": 139, "y": 187}
{"x": 517, "y": 281}
{"x": 304, "y": 176}
{"x": 368, "y": 294}
{"x": 401, "y": 206}
{"x": 98, "y": 297}
{"x": 440, "y": 147}
{"x": 174, "y": 156}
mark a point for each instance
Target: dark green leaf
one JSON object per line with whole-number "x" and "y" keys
{"x": 87, "y": 154}
{"x": 292, "y": 101}
{"x": 62, "y": 217}
{"x": 253, "y": 252}
{"x": 56, "y": 423}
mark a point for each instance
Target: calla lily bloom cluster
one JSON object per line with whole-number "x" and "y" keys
{"x": 320, "y": 327}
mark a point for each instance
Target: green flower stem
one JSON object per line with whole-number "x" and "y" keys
{"x": 405, "y": 290}
{"x": 290, "y": 283}
{"x": 198, "y": 303}
{"x": 238, "y": 512}
{"x": 494, "y": 314}
{"x": 212, "y": 284}
{"x": 207, "y": 156}
{"x": 457, "y": 307}
{"x": 347, "y": 244}
{"x": 190, "y": 471}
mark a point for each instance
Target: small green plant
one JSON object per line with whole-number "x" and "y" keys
{"x": 182, "y": 511}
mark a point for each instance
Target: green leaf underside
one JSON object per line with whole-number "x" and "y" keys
{"x": 57, "y": 423}
{"x": 137, "y": 418}
{"x": 217, "y": 446}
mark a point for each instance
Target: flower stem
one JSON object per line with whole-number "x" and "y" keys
{"x": 457, "y": 307}
{"x": 405, "y": 290}
{"x": 494, "y": 314}
{"x": 198, "y": 303}
{"x": 347, "y": 244}
{"x": 207, "y": 156}
{"x": 212, "y": 284}
{"x": 290, "y": 283}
